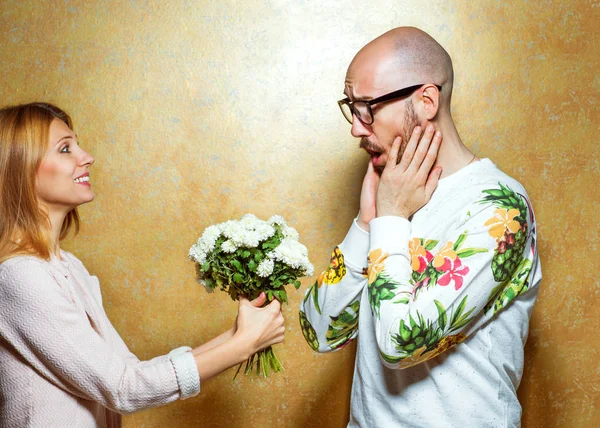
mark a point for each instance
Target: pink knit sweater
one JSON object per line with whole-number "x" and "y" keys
{"x": 62, "y": 363}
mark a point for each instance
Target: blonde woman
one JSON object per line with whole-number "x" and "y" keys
{"x": 62, "y": 363}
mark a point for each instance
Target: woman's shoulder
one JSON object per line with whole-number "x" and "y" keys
{"x": 19, "y": 262}
{"x": 19, "y": 268}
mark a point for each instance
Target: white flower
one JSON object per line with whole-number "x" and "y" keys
{"x": 228, "y": 246}
{"x": 265, "y": 268}
{"x": 196, "y": 254}
{"x": 290, "y": 232}
{"x": 293, "y": 254}
{"x": 210, "y": 236}
{"x": 276, "y": 219}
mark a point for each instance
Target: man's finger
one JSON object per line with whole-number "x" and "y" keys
{"x": 393, "y": 156}
{"x": 432, "y": 182}
{"x": 432, "y": 153}
{"x": 423, "y": 147}
{"x": 409, "y": 150}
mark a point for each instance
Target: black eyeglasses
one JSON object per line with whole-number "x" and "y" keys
{"x": 362, "y": 109}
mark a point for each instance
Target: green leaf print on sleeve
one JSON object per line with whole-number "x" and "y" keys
{"x": 506, "y": 291}
{"x": 343, "y": 327}
{"x": 314, "y": 293}
{"x": 380, "y": 286}
{"x": 421, "y": 340}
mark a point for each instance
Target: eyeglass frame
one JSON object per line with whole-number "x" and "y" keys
{"x": 400, "y": 93}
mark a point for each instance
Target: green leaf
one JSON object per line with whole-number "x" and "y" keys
{"x": 459, "y": 241}
{"x": 403, "y": 301}
{"x": 442, "y": 317}
{"x": 459, "y": 309}
{"x": 430, "y": 244}
{"x": 468, "y": 252}
{"x": 246, "y": 254}
{"x": 237, "y": 265}
{"x": 404, "y": 332}
{"x": 315, "y": 293}
{"x": 494, "y": 192}
{"x": 205, "y": 266}
{"x": 238, "y": 278}
{"x": 297, "y": 284}
{"x": 386, "y": 294}
{"x": 413, "y": 324}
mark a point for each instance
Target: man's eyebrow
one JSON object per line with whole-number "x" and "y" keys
{"x": 357, "y": 98}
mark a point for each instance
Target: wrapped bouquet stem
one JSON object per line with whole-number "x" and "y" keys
{"x": 246, "y": 257}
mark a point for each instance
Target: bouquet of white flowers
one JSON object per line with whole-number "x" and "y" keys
{"x": 246, "y": 257}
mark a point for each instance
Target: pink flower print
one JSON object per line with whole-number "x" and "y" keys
{"x": 454, "y": 271}
{"x": 423, "y": 260}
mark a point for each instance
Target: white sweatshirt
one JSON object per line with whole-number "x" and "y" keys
{"x": 440, "y": 305}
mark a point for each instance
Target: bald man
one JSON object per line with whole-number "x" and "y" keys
{"x": 439, "y": 272}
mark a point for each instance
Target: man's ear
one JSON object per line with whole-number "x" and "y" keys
{"x": 430, "y": 101}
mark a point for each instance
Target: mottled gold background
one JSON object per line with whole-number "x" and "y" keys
{"x": 200, "y": 111}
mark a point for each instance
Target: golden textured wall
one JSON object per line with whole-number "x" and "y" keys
{"x": 200, "y": 111}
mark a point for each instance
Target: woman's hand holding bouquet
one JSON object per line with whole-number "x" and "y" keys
{"x": 252, "y": 259}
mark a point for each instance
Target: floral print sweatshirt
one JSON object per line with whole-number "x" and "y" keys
{"x": 440, "y": 306}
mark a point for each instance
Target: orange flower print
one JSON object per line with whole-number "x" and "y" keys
{"x": 503, "y": 219}
{"x": 419, "y": 256}
{"x": 446, "y": 251}
{"x": 376, "y": 264}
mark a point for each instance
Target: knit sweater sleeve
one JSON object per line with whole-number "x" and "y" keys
{"x": 428, "y": 296}
{"x": 39, "y": 320}
{"x": 329, "y": 311}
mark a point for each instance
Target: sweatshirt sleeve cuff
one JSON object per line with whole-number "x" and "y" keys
{"x": 390, "y": 233}
{"x": 355, "y": 247}
{"x": 186, "y": 371}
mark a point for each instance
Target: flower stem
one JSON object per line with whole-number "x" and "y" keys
{"x": 263, "y": 362}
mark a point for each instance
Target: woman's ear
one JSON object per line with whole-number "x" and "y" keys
{"x": 430, "y": 101}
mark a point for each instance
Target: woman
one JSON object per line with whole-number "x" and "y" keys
{"x": 61, "y": 361}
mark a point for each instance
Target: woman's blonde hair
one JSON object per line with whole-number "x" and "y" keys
{"x": 24, "y": 141}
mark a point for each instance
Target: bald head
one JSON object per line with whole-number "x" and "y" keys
{"x": 403, "y": 57}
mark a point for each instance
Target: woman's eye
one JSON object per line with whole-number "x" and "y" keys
{"x": 65, "y": 149}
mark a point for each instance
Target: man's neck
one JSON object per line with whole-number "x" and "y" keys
{"x": 453, "y": 154}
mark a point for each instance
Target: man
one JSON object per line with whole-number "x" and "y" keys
{"x": 436, "y": 279}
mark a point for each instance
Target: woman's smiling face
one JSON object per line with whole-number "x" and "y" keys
{"x": 63, "y": 180}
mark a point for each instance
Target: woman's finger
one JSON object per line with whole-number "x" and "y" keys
{"x": 260, "y": 300}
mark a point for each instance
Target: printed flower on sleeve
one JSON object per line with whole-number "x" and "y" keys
{"x": 419, "y": 255}
{"x": 445, "y": 268}
{"x": 454, "y": 271}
